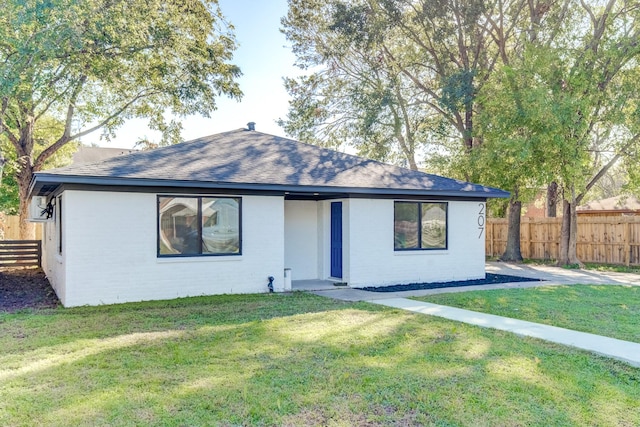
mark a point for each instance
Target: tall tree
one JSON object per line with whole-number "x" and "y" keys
{"x": 433, "y": 54}
{"x": 442, "y": 53}
{"x": 516, "y": 119}
{"x": 95, "y": 63}
{"x": 595, "y": 79}
{"x": 354, "y": 96}
{"x": 522, "y": 137}
{"x": 429, "y": 58}
{"x": 572, "y": 94}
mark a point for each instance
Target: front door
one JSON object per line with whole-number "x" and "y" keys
{"x": 336, "y": 239}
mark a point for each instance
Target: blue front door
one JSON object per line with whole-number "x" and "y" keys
{"x": 336, "y": 239}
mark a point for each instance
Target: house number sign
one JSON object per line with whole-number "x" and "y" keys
{"x": 481, "y": 220}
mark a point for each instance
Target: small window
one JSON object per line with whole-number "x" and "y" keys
{"x": 59, "y": 224}
{"x": 420, "y": 225}
{"x": 194, "y": 226}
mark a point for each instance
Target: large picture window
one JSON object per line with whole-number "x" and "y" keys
{"x": 420, "y": 225}
{"x": 193, "y": 226}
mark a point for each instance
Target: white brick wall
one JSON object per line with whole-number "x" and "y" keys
{"x": 301, "y": 238}
{"x": 372, "y": 260}
{"x": 110, "y": 249}
{"x": 110, "y": 252}
{"x": 53, "y": 263}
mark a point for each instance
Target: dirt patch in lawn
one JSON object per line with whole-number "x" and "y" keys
{"x": 24, "y": 288}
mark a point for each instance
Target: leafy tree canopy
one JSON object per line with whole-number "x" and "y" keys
{"x": 45, "y": 130}
{"x": 92, "y": 64}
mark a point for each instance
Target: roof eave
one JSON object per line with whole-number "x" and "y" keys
{"x": 41, "y": 180}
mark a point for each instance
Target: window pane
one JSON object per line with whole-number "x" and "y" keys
{"x": 405, "y": 225}
{"x": 59, "y": 224}
{"x": 179, "y": 225}
{"x": 434, "y": 225}
{"x": 220, "y": 226}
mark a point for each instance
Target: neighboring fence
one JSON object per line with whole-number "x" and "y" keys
{"x": 603, "y": 240}
{"x": 10, "y": 228}
{"x": 20, "y": 253}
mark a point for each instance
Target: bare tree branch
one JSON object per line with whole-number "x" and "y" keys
{"x": 606, "y": 167}
{"x": 67, "y": 136}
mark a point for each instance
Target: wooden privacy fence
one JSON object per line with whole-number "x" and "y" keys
{"x": 10, "y": 228}
{"x": 20, "y": 253}
{"x": 603, "y": 240}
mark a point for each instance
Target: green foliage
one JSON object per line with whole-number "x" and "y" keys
{"x": 9, "y": 198}
{"x": 563, "y": 108}
{"x": 523, "y": 133}
{"x": 93, "y": 64}
{"x": 310, "y": 110}
{"x": 44, "y": 134}
{"x": 126, "y": 59}
{"x": 548, "y": 92}
{"x": 359, "y": 94}
{"x": 458, "y": 90}
{"x": 591, "y": 93}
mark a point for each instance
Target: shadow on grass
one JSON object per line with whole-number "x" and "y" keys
{"x": 345, "y": 364}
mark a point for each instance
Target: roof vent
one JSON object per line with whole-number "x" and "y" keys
{"x": 251, "y": 125}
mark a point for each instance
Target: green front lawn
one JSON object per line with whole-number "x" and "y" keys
{"x": 613, "y": 311}
{"x": 294, "y": 360}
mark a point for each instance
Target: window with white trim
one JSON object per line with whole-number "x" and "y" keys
{"x": 420, "y": 225}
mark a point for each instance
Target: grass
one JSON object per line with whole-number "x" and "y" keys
{"x": 294, "y": 359}
{"x": 612, "y": 268}
{"x": 587, "y": 266}
{"x": 613, "y": 311}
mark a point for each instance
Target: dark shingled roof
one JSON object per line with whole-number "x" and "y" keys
{"x": 251, "y": 160}
{"x": 96, "y": 154}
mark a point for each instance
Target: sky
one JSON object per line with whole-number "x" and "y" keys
{"x": 263, "y": 56}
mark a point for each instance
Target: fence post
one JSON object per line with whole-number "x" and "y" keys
{"x": 39, "y": 253}
{"x": 493, "y": 238}
{"x": 627, "y": 244}
{"x": 530, "y": 246}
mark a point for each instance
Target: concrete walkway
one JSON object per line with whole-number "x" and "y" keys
{"x": 622, "y": 350}
{"x": 628, "y": 352}
{"x": 551, "y": 276}
{"x": 559, "y": 275}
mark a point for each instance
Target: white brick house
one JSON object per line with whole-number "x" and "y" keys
{"x": 222, "y": 214}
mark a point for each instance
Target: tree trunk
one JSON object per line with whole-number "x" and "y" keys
{"x": 552, "y": 200}
{"x": 563, "y": 256}
{"x": 468, "y": 127}
{"x": 411, "y": 158}
{"x": 573, "y": 231}
{"x": 512, "y": 251}
{"x": 569, "y": 233}
{"x": 2, "y": 162}
{"x": 27, "y": 229}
